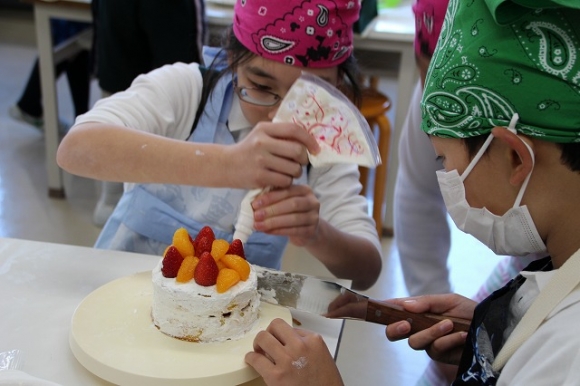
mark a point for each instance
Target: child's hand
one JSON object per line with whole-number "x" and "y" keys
{"x": 292, "y": 212}
{"x": 437, "y": 341}
{"x": 287, "y": 356}
{"x": 271, "y": 155}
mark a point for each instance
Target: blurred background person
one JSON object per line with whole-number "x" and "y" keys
{"x": 133, "y": 37}
{"x": 28, "y": 108}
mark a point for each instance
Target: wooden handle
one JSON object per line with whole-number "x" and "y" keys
{"x": 384, "y": 313}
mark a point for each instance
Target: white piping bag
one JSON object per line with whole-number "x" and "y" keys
{"x": 328, "y": 115}
{"x": 245, "y": 224}
{"x": 340, "y": 129}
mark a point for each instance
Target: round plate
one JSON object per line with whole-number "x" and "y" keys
{"x": 112, "y": 335}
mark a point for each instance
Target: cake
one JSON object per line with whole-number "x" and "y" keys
{"x": 204, "y": 290}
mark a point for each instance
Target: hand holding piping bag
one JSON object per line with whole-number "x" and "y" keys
{"x": 341, "y": 131}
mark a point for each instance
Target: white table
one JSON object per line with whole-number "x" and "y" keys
{"x": 41, "y": 285}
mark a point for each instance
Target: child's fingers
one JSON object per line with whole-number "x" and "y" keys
{"x": 398, "y": 331}
{"x": 448, "y": 349}
{"x": 423, "y": 339}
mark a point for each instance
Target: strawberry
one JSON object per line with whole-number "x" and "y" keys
{"x": 172, "y": 260}
{"x": 206, "y": 271}
{"x": 236, "y": 248}
{"x": 206, "y": 231}
{"x": 203, "y": 245}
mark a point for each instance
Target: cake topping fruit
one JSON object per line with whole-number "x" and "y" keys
{"x": 226, "y": 279}
{"x": 171, "y": 262}
{"x": 204, "y": 258}
{"x": 182, "y": 242}
{"x": 220, "y": 265}
{"x": 236, "y": 248}
{"x": 238, "y": 264}
{"x": 203, "y": 245}
{"x": 219, "y": 248}
{"x": 206, "y": 231}
{"x": 187, "y": 268}
{"x": 206, "y": 271}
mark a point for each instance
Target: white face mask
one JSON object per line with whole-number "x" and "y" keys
{"x": 513, "y": 234}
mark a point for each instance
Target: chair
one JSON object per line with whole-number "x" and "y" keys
{"x": 374, "y": 106}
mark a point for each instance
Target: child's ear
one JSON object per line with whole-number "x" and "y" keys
{"x": 520, "y": 155}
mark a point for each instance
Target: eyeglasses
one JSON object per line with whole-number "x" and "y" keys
{"x": 256, "y": 96}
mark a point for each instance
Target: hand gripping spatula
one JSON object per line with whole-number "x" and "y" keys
{"x": 332, "y": 300}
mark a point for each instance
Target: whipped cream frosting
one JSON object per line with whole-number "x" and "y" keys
{"x": 196, "y": 313}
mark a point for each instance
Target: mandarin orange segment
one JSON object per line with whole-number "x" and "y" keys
{"x": 182, "y": 242}
{"x": 220, "y": 265}
{"x": 226, "y": 279}
{"x": 187, "y": 268}
{"x": 219, "y": 247}
{"x": 238, "y": 264}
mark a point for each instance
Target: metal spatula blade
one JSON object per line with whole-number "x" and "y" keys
{"x": 332, "y": 300}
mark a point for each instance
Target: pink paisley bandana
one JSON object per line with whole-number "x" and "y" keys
{"x": 429, "y": 16}
{"x": 303, "y": 33}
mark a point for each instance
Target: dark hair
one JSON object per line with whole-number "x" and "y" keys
{"x": 570, "y": 151}
{"x": 239, "y": 54}
{"x": 570, "y": 155}
{"x": 473, "y": 144}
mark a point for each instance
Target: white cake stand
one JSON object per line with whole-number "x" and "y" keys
{"x": 112, "y": 335}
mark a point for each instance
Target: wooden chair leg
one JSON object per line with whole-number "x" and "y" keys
{"x": 384, "y": 141}
{"x": 364, "y": 171}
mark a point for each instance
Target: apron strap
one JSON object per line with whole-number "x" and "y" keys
{"x": 562, "y": 283}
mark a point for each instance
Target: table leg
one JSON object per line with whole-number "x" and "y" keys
{"x": 49, "y": 100}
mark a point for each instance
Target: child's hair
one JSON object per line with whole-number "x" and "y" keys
{"x": 570, "y": 155}
{"x": 570, "y": 151}
{"x": 239, "y": 54}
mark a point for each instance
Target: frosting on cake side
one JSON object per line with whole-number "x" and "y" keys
{"x": 198, "y": 313}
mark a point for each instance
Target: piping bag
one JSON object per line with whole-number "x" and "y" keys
{"x": 343, "y": 134}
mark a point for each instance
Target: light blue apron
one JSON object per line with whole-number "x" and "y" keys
{"x": 147, "y": 216}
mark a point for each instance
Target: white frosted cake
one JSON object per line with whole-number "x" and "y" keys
{"x": 198, "y": 313}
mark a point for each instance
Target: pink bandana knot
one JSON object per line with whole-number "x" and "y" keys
{"x": 303, "y": 33}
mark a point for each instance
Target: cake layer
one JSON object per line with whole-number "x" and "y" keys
{"x": 196, "y": 313}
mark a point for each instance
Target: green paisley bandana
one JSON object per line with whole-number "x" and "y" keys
{"x": 495, "y": 58}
